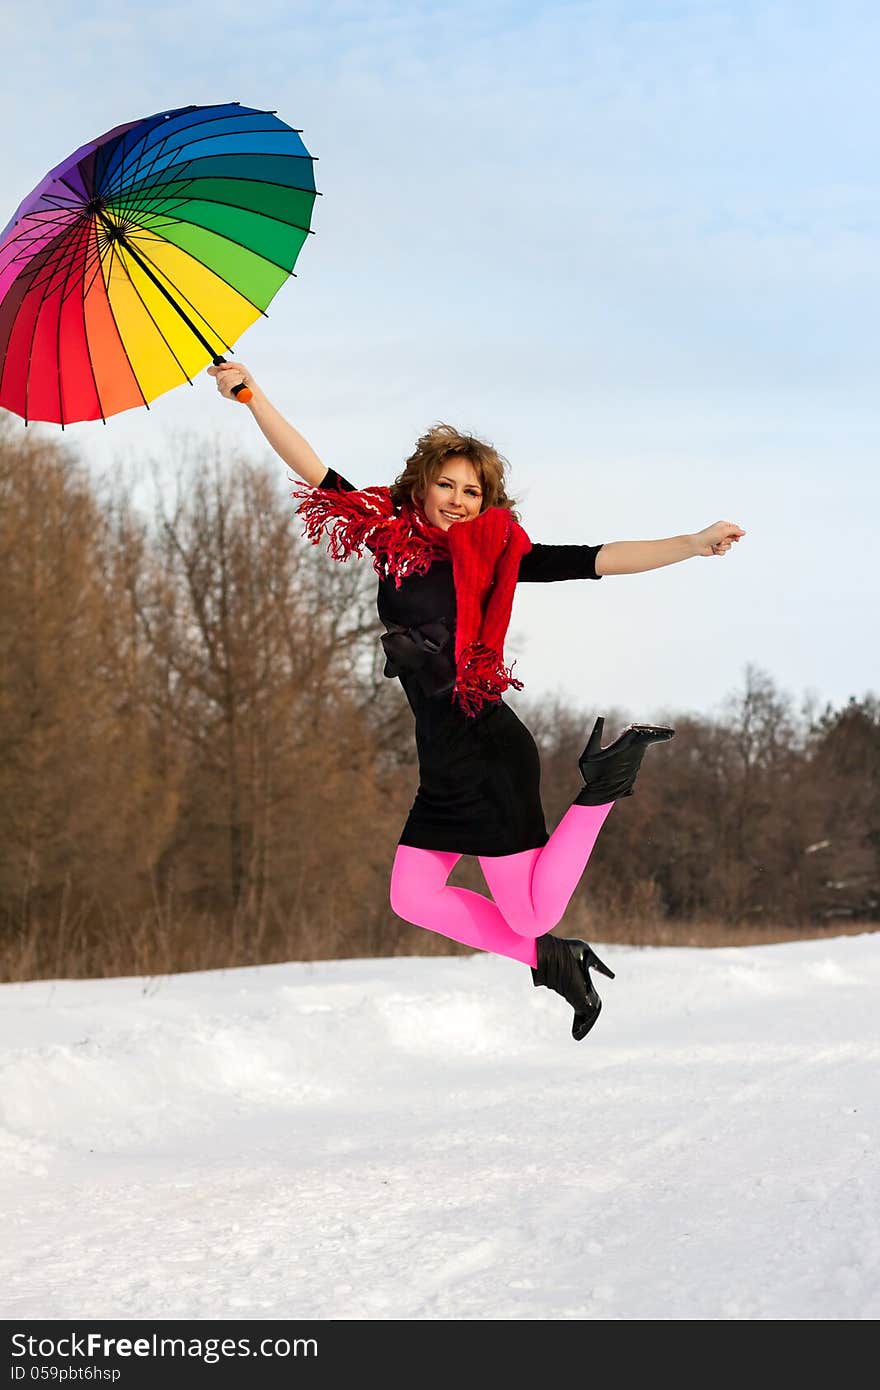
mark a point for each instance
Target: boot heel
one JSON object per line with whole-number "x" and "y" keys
{"x": 594, "y": 742}
{"x": 592, "y": 962}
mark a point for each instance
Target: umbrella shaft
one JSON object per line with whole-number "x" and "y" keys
{"x": 161, "y": 288}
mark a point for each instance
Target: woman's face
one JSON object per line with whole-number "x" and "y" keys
{"x": 454, "y": 495}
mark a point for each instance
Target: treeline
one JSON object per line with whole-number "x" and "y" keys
{"x": 202, "y": 765}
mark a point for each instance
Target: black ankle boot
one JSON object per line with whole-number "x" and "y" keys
{"x": 564, "y": 965}
{"x": 609, "y": 773}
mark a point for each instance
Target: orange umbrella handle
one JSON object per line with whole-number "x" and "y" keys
{"x": 242, "y": 393}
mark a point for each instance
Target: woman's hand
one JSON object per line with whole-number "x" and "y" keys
{"x": 231, "y": 374}
{"x": 717, "y": 539}
{"x": 287, "y": 442}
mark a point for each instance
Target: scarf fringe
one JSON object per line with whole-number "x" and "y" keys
{"x": 348, "y": 525}
{"x": 357, "y": 521}
{"x": 482, "y": 677}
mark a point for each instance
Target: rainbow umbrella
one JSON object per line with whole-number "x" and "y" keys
{"x": 145, "y": 255}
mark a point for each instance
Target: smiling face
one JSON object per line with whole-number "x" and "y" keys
{"x": 455, "y": 493}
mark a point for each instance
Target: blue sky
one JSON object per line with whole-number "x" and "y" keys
{"x": 633, "y": 245}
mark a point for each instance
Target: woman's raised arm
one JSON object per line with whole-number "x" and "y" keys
{"x": 634, "y": 557}
{"x": 287, "y": 442}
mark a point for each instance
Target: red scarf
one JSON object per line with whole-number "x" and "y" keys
{"x": 485, "y": 554}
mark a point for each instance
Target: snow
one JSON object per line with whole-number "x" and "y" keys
{"x": 421, "y": 1138}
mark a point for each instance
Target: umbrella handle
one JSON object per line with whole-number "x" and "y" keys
{"x": 242, "y": 393}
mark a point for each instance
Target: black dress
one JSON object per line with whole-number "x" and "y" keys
{"x": 479, "y": 776}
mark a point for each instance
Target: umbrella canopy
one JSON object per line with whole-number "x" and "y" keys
{"x": 145, "y": 255}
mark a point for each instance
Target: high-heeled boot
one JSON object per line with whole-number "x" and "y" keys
{"x": 609, "y": 773}
{"x": 564, "y": 965}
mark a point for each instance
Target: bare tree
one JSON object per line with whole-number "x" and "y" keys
{"x": 78, "y": 805}
{"x": 202, "y": 764}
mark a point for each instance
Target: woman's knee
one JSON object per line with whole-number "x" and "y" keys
{"x": 401, "y": 897}
{"x": 417, "y": 874}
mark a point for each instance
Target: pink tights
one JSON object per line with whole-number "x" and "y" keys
{"x": 531, "y": 890}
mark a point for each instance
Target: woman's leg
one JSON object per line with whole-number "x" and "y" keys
{"x": 421, "y": 895}
{"x": 534, "y": 888}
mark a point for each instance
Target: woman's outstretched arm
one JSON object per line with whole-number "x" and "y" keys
{"x": 634, "y": 557}
{"x": 287, "y": 442}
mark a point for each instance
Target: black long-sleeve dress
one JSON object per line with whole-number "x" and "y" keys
{"x": 479, "y": 776}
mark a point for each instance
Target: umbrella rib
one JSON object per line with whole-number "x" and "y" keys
{"x": 198, "y": 313}
{"x": 33, "y": 232}
{"x": 51, "y": 257}
{"x": 93, "y": 234}
{"x": 54, "y": 256}
{"x": 160, "y": 144}
{"x": 91, "y": 266}
{"x": 127, "y": 200}
{"x": 220, "y": 277}
{"x": 178, "y": 291}
{"x": 266, "y": 216}
{"x": 168, "y": 171}
{"x": 57, "y": 200}
{"x": 124, "y": 188}
{"x": 87, "y": 284}
{"x": 116, "y": 321}
{"x": 139, "y": 210}
{"x": 74, "y": 251}
{"x": 130, "y": 154}
{"x": 75, "y": 191}
{"x": 29, "y": 226}
{"x": 92, "y": 258}
{"x": 149, "y": 313}
{"x": 122, "y": 157}
{"x": 27, "y": 378}
{"x": 175, "y": 163}
{"x": 260, "y": 183}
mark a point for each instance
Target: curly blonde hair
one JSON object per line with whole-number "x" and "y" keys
{"x": 443, "y": 442}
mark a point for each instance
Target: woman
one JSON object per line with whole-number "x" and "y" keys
{"x": 449, "y": 552}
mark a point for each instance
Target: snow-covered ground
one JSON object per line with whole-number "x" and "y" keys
{"x": 421, "y": 1138}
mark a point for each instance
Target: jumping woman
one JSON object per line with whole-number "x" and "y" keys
{"x": 449, "y": 551}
